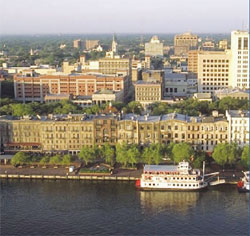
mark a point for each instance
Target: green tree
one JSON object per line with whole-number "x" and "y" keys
{"x": 245, "y": 157}
{"x": 88, "y": 154}
{"x": 55, "y": 160}
{"x": 200, "y": 156}
{"x": 108, "y": 153}
{"x": 133, "y": 154}
{"x": 148, "y": 155}
{"x": 225, "y": 153}
{"x": 169, "y": 150}
{"x": 182, "y": 151}
{"x": 20, "y": 158}
{"x": 66, "y": 160}
{"x": 45, "y": 160}
{"x": 121, "y": 153}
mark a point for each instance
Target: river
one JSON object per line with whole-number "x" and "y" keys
{"x": 44, "y": 207}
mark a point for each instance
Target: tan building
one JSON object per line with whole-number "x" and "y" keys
{"x": 90, "y": 44}
{"x": 106, "y": 96}
{"x": 185, "y": 42}
{"x": 148, "y": 92}
{"x": 153, "y": 76}
{"x": 77, "y": 43}
{"x": 49, "y": 98}
{"x": 35, "y": 88}
{"x": 68, "y": 133}
{"x": 208, "y": 45}
{"x": 213, "y": 70}
{"x": 233, "y": 93}
{"x": 223, "y": 44}
{"x": 201, "y": 133}
{"x": 111, "y": 66}
{"x": 193, "y": 61}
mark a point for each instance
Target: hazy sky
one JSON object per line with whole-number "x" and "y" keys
{"x": 122, "y": 16}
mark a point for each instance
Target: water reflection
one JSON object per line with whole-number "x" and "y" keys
{"x": 157, "y": 201}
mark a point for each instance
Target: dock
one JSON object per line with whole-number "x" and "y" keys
{"x": 69, "y": 177}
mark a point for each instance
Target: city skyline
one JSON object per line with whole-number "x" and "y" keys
{"x": 86, "y": 17}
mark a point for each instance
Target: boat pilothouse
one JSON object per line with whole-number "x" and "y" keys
{"x": 171, "y": 177}
{"x": 243, "y": 184}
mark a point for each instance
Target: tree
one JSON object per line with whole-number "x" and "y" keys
{"x": 66, "y": 160}
{"x": 200, "y": 156}
{"x": 169, "y": 150}
{"x": 20, "y": 158}
{"x": 245, "y": 156}
{"x": 225, "y": 153}
{"x": 182, "y": 151}
{"x": 121, "y": 153}
{"x": 148, "y": 155}
{"x": 108, "y": 153}
{"x": 133, "y": 154}
{"x": 87, "y": 154}
{"x": 44, "y": 160}
{"x": 55, "y": 160}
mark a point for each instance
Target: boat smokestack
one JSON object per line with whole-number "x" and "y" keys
{"x": 203, "y": 170}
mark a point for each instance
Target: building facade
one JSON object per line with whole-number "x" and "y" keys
{"x": 185, "y": 42}
{"x": 238, "y": 127}
{"x": 90, "y": 44}
{"x": 148, "y": 92}
{"x": 213, "y": 71}
{"x": 154, "y": 48}
{"x": 113, "y": 66}
{"x": 240, "y": 59}
{"x": 31, "y": 89}
{"x": 68, "y": 133}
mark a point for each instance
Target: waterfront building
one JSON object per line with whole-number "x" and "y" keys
{"x": 91, "y": 44}
{"x": 240, "y": 59}
{"x": 62, "y": 133}
{"x": 34, "y": 87}
{"x": 213, "y": 70}
{"x": 185, "y": 42}
{"x": 49, "y": 98}
{"x": 238, "y": 127}
{"x": 154, "y": 48}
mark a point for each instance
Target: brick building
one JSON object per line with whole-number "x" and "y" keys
{"x": 35, "y": 87}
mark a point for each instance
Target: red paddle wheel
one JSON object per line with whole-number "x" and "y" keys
{"x": 138, "y": 183}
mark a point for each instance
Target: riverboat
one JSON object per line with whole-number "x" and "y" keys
{"x": 171, "y": 177}
{"x": 243, "y": 184}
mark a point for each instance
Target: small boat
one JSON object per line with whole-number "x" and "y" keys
{"x": 243, "y": 184}
{"x": 171, "y": 177}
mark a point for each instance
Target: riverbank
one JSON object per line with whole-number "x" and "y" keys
{"x": 10, "y": 172}
{"x": 62, "y": 173}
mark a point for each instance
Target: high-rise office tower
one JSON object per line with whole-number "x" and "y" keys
{"x": 240, "y": 59}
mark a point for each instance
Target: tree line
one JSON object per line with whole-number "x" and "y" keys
{"x": 189, "y": 107}
{"x": 128, "y": 155}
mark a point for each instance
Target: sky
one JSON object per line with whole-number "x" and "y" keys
{"x": 122, "y": 16}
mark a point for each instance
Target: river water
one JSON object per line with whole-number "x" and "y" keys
{"x": 44, "y": 207}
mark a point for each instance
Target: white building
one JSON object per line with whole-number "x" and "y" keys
{"x": 240, "y": 59}
{"x": 154, "y": 48}
{"x": 238, "y": 127}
